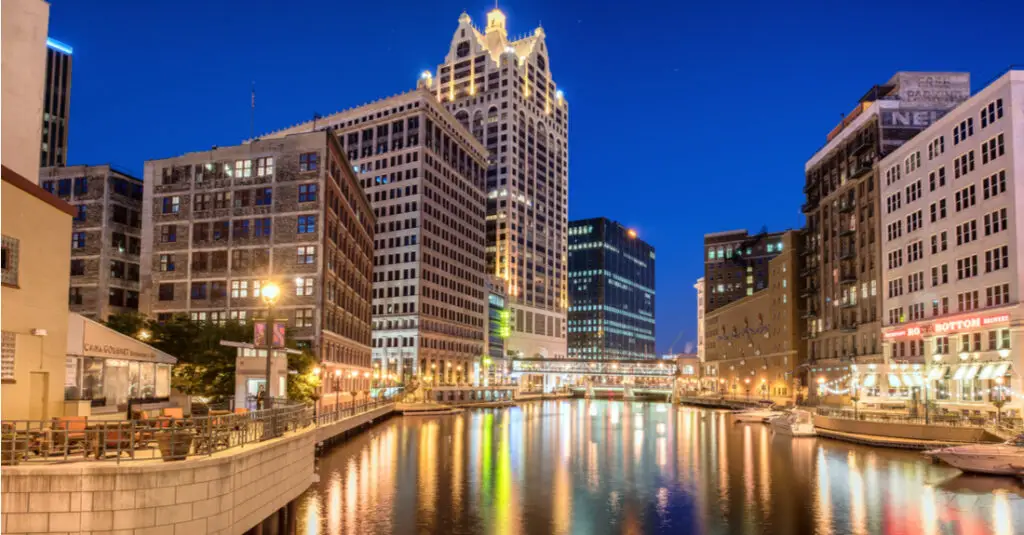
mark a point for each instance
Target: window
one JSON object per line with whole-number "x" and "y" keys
{"x": 967, "y": 267}
{"x": 77, "y": 240}
{"x": 304, "y": 286}
{"x": 172, "y": 204}
{"x": 937, "y": 179}
{"x": 993, "y": 185}
{"x": 992, "y": 149}
{"x": 915, "y": 281}
{"x": 895, "y": 258}
{"x": 166, "y": 262}
{"x": 915, "y": 251}
{"x": 218, "y": 289}
{"x": 9, "y": 260}
{"x": 894, "y": 230}
{"x": 967, "y": 232}
{"x": 940, "y": 307}
{"x": 306, "y": 254}
{"x": 996, "y": 259}
{"x": 995, "y": 221}
{"x": 939, "y": 242}
{"x": 75, "y": 296}
{"x": 82, "y": 212}
{"x": 965, "y": 198}
{"x": 992, "y": 112}
{"x": 264, "y": 196}
{"x": 240, "y": 289}
{"x": 895, "y": 288}
{"x": 997, "y": 295}
{"x": 304, "y": 317}
{"x": 166, "y": 292}
{"x": 198, "y": 290}
{"x": 169, "y": 233}
{"x": 77, "y": 267}
{"x": 307, "y": 192}
{"x": 201, "y": 202}
{"x": 309, "y": 161}
{"x": 221, "y": 200}
{"x": 81, "y": 185}
{"x": 913, "y": 191}
{"x": 940, "y": 275}
{"x": 306, "y": 224}
{"x": 238, "y": 315}
{"x": 967, "y": 301}
{"x": 936, "y": 147}
{"x": 265, "y": 166}
{"x": 938, "y": 210}
{"x": 963, "y": 165}
{"x": 914, "y": 221}
{"x": 64, "y": 188}
{"x": 241, "y": 169}
{"x": 261, "y": 227}
{"x": 893, "y": 202}
{"x": 896, "y": 315}
{"x": 964, "y": 130}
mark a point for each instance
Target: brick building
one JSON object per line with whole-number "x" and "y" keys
{"x": 221, "y": 223}
{"x": 106, "y": 236}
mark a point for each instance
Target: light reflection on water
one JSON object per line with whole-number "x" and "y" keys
{"x": 588, "y": 467}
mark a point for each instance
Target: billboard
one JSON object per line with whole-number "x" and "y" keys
{"x": 260, "y": 334}
{"x": 933, "y": 89}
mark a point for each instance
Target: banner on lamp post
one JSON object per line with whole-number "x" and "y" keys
{"x": 260, "y": 334}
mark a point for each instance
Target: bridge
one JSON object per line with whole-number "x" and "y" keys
{"x": 593, "y": 378}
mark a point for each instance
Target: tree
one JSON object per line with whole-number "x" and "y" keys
{"x": 303, "y": 384}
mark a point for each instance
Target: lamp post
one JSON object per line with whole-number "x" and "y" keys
{"x": 747, "y": 386}
{"x": 269, "y": 293}
{"x": 316, "y": 394}
{"x": 999, "y": 400}
{"x": 337, "y": 388}
{"x": 855, "y": 397}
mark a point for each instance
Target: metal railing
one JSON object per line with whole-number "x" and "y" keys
{"x": 1004, "y": 426}
{"x": 75, "y": 440}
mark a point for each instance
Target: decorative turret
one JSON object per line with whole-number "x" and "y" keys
{"x": 496, "y": 23}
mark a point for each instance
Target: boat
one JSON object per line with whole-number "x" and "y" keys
{"x": 755, "y": 415}
{"x": 795, "y": 423}
{"x": 1006, "y": 459}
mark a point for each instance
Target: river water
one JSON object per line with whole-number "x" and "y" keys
{"x": 594, "y": 467}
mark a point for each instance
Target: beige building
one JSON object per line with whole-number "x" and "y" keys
{"x": 501, "y": 89}
{"x": 953, "y": 324}
{"x": 753, "y": 345}
{"x": 106, "y": 236}
{"x": 219, "y": 224}
{"x": 35, "y": 225}
{"x": 423, "y": 173}
{"x": 844, "y": 265}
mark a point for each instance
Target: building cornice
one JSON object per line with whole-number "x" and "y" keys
{"x": 33, "y": 189}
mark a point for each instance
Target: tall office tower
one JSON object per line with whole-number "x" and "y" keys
{"x": 699, "y": 286}
{"x": 56, "y": 104}
{"x": 219, "y": 224}
{"x": 952, "y": 221}
{"x": 611, "y": 292}
{"x": 106, "y": 236}
{"x": 736, "y": 265}
{"x": 843, "y": 267}
{"x": 502, "y": 91}
{"x": 423, "y": 174}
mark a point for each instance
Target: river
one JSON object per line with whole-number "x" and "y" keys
{"x": 595, "y": 467}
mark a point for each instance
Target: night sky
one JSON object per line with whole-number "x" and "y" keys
{"x": 684, "y": 119}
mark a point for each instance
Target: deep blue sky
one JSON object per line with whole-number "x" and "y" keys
{"x": 684, "y": 119}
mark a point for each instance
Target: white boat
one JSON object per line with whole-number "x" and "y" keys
{"x": 795, "y": 423}
{"x": 755, "y": 415}
{"x": 1006, "y": 459}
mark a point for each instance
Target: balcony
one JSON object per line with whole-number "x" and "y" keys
{"x": 847, "y": 304}
{"x": 846, "y": 206}
{"x": 860, "y": 144}
{"x": 809, "y": 291}
{"x": 810, "y": 313}
{"x": 848, "y": 326}
{"x": 847, "y": 253}
{"x": 847, "y": 276}
{"x": 847, "y": 231}
{"x": 859, "y": 168}
{"x": 809, "y": 206}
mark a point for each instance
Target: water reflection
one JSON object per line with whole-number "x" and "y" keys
{"x": 611, "y": 467}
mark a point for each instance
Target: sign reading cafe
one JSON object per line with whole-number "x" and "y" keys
{"x": 108, "y": 350}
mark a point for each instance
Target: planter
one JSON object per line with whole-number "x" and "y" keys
{"x": 174, "y": 446}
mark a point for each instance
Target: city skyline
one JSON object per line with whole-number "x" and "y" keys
{"x": 214, "y": 110}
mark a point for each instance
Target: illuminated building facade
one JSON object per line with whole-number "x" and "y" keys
{"x": 611, "y": 292}
{"x": 501, "y": 90}
{"x": 950, "y": 229}
{"x": 755, "y": 342}
{"x": 844, "y": 261}
{"x": 736, "y": 265}
{"x": 423, "y": 174}
{"x": 56, "y": 104}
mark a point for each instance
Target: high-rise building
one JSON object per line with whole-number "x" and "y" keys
{"x": 219, "y": 224}
{"x": 611, "y": 292}
{"x": 106, "y": 236}
{"x": 753, "y": 345}
{"x": 843, "y": 269}
{"x": 56, "y": 104}
{"x": 736, "y": 265}
{"x": 699, "y": 286}
{"x": 501, "y": 89}
{"x": 423, "y": 174}
{"x": 498, "y": 329}
{"x": 951, "y": 225}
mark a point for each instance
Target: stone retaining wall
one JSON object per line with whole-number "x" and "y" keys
{"x": 941, "y": 433}
{"x": 229, "y": 492}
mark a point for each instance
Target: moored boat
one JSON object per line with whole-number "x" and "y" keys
{"x": 1006, "y": 459}
{"x": 796, "y": 423}
{"x": 755, "y": 415}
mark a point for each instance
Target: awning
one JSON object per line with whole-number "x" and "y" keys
{"x": 894, "y": 381}
{"x": 912, "y": 380}
{"x": 960, "y": 371}
{"x": 1001, "y": 369}
{"x": 972, "y": 372}
{"x": 870, "y": 380}
{"x": 986, "y": 372}
{"x": 938, "y": 372}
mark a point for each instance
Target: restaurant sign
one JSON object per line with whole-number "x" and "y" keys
{"x": 108, "y": 350}
{"x": 948, "y": 326}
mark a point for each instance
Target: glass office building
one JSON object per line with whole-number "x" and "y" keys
{"x": 611, "y": 292}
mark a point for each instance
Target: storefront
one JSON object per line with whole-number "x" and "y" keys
{"x": 109, "y": 369}
{"x": 966, "y": 364}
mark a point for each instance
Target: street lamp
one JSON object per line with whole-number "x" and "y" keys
{"x": 821, "y": 387}
{"x": 999, "y": 400}
{"x": 269, "y": 293}
{"x": 747, "y": 386}
{"x": 144, "y": 335}
{"x": 337, "y": 386}
{"x": 316, "y": 393}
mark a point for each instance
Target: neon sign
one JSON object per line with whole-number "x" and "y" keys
{"x": 942, "y": 327}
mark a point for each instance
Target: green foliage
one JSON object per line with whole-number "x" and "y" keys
{"x": 302, "y": 385}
